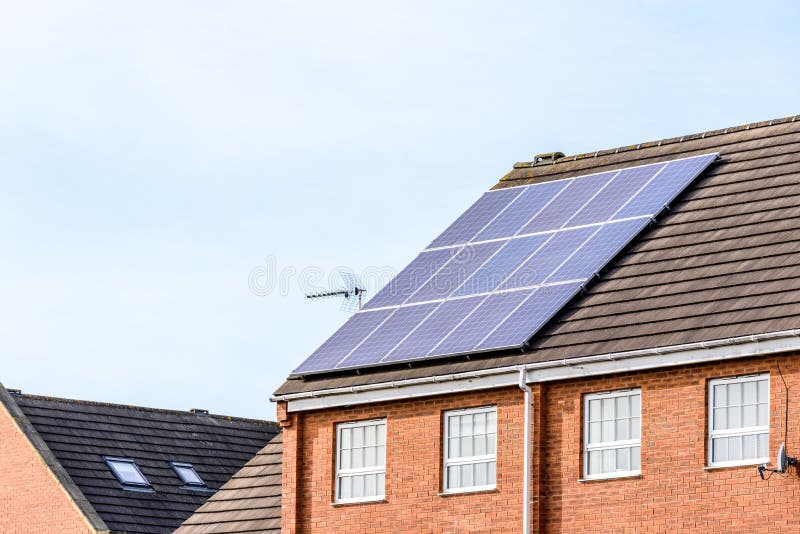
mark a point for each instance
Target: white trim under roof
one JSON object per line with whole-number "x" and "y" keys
{"x": 689, "y": 353}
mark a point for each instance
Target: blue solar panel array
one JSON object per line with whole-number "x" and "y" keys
{"x": 505, "y": 267}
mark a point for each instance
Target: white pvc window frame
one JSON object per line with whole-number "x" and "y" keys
{"x": 345, "y": 469}
{"x": 616, "y": 445}
{"x": 487, "y": 459}
{"x": 739, "y": 431}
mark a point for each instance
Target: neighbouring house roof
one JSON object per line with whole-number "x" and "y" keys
{"x": 74, "y": 436}
{"x": 249, "y": 502}
{"x": 723, "y": 262}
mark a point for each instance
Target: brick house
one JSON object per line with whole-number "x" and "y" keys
{"x": 644, "y": 403}
{"x": 80, "y": 467}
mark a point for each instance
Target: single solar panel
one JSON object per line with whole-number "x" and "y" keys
{"x": 476, "y": 217}
{"x": 571, "y": 199}
{"x": 419, "y": 271}
{"x": 529, "y": 316}
{"x": 486, "y": 317}
{"x": 535, "y": 198}
{"x": 505, "y": 267}
{"x": 433, "y": 329}
{"x": 391, "y": 331}
{"x": 454, "y": 272}
{"x": 501, "y": 265}
{"x": 339, "y": 345}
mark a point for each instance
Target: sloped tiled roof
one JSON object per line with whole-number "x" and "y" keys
{"x": 250, "y": 502}
{"x": 724, "y": 261}
{"x": 80, "y": 433}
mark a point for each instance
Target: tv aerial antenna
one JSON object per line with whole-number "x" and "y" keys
{"x": 352, "y": 291}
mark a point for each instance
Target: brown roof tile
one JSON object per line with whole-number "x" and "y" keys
{"x": 249, "y": 502}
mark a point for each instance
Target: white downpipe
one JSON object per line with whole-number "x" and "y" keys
{"x": 526, "y": 448}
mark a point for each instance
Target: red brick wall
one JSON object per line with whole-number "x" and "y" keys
{"x": 674, "y": 494}
{"x": 413, "y": 471}
{"x": 31, "y": 500}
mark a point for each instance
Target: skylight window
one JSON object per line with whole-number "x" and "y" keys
{"x": 188, "y": 475}
{"x": 128, "y": 474}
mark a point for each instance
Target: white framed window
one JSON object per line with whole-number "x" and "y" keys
{"x": 361, "y": 461}
{"x": 612, "y": 434}
{"x": 738, "y": 420}
{"x": 470, "y": 449}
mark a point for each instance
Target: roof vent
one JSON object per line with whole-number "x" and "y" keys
{"x": 199, "y": 411}
{"x": 548, "y": 157}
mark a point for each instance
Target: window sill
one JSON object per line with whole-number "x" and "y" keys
{"x": 468, "y": 492}
{"x": 749, "y": 463}
{"x": 362, "y": 501}
{"x": 610, "y": 478}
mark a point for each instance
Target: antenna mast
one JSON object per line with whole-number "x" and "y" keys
{"x": 352, "y": 292}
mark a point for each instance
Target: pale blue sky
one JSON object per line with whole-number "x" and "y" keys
{"x": 152, "y": 154}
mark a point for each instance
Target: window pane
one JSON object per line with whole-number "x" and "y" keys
{"x": 623, "y": 404}
{"x": 595, "y": 462}
{"x": 358, "y": 486}
{"x": 370, "y": 457}
{"x": 480, "y": 474}
{"x": 454, "y": 426}
{"x": 636, "y": 405}
{"x": 719, "y": 450}
{"x": 763, "y": 414}
{"x": 466, "y": 446}
{"x": 735, "y": 417}
{"x": 382, "y": 434}
{"x": 734, "y": 394}
{"x": 608, "y": 409}
{"x": 371, "y": 485}
{"x": 358, "y": 436}
{"x": 750, "y": 446}
{"x": 491, "y": 441}
{"x": 720, "y": 419}
{"x": 491, "y": 476}
{"x": 622, "y": 429}
{"x": 735, "y": 448}
{"x": 345, "y": 491}
{"x": 369, "y": 436}
{"x": 466, "y": 425}
{"x": 609, "y": 460}
{"x": 763, "y": 390}
{"x": 594, "y": 410}
{"x": 763, "y": 445}
{"x": 466, "y": 476}
{"x": 720, "y": 395}
{"x": 382, "y": 455}
{"x": 750, "y": 392}
{"x": 358, "y": 458}
{"x": 346, "y": 442}
{"x": 595, "y": 434}
{"x": 381, "y": 484}
{"x": 491, "y": 421}
{"x": 454, "y": 450}
{"x": 344, "y": 459}
{"x": 480, "y": 423}
{"x": 453, "y": 478}
{"x": 622, "y": 459}
{"x": 749, "y": 417}
{"x": 479, "y": 445}
{"x": 608, "y": 430}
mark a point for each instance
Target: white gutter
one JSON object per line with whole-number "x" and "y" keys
{"x": 685, "y": 354}
{"x": 526, "y": 450}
